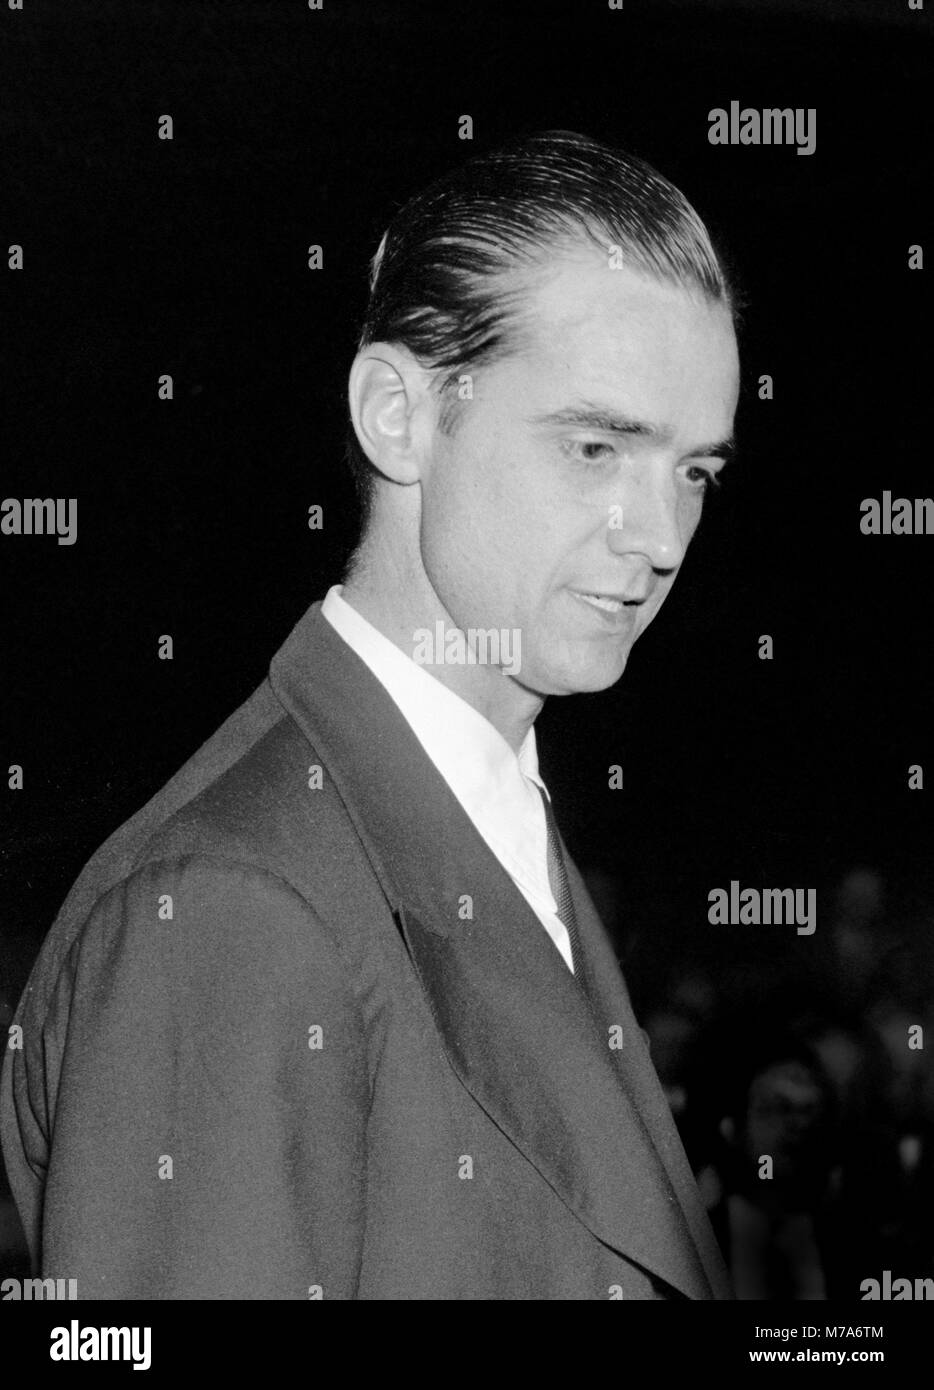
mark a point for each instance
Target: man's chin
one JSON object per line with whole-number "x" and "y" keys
{"x": 585, "y": 677}
{"x": 590, "y": 682}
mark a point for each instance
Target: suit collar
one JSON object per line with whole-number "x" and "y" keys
{"x": 610, "y": 1000}
{"x": 489, "y": 779}
{"x": 518, "y": 1032}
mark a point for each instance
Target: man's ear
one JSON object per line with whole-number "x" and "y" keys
{"x": 390, "y": 407}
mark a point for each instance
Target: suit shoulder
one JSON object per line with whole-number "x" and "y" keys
{"x": 236, "y": 824}
{"x": 185, "y": 972}
{"x": 196, "y": 925}
{"x": 268, "y": 808}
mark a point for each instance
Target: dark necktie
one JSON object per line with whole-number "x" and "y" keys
{"x": 561, "y": 888}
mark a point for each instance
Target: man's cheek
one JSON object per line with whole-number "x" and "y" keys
{"x": 649, "y": 610}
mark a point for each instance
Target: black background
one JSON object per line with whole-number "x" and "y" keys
{"x": 189, "y": 257}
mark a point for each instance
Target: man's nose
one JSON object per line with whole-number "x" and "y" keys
{"x": 645, "y": 521}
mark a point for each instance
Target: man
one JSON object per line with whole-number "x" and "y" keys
{"x": 333, "y": 1015}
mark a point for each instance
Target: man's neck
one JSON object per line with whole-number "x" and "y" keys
{"x": 398, "y": 614}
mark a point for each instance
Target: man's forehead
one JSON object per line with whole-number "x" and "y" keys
{"x": 631, "y": 341}
{"x": 583, "y": 286}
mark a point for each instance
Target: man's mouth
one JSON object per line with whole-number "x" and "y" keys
{"x": 606, "y": 602}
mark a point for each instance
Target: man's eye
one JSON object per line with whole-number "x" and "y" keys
{"x": 704, "y": 478}
{"x": 589, "y": 450}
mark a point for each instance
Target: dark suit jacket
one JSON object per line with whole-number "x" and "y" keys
{"x": 175, "y": 1125}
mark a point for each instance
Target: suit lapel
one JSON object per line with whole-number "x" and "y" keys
{"x": 518, "y": 1032}
{"x": 610, "y": 1001}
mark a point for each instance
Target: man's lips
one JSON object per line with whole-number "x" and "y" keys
{"x": 607, "y": 605}
{"x": 607, "y": 600}
{"x": 615, "y": 609}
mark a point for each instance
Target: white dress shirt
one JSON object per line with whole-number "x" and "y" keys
{"x": 496, "y": 787}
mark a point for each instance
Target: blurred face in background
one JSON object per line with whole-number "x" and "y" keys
{"x": 784, "y": 1117}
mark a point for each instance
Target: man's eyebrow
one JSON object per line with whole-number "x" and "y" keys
{"x": 606, "y": 421}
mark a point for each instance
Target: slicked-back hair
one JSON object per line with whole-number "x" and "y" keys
{"x": 438, "y": 279}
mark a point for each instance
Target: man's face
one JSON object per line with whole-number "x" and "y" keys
{"x": 579, "y": 468}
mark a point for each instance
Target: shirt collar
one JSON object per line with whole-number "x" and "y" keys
{"x": 493, "y": 784}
